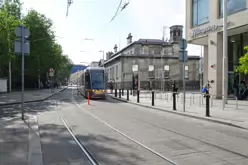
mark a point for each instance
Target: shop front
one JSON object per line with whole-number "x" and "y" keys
{"x": 211, "y": 38}
{"x": 236, "y": 44}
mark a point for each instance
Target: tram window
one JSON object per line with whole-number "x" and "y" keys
{"x": 87, "y": 80}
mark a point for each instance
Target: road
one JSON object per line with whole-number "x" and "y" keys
{"x": 109, "y": 132}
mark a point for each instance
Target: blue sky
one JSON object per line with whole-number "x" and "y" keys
{"x": 90, "y": 19}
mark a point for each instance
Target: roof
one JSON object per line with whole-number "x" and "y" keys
{"x": 141, "y": 42}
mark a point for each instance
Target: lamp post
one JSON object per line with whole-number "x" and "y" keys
{"x": 225, "y": 53}
{"x": 102, "y": 57}
{"x": 10, "y": 81}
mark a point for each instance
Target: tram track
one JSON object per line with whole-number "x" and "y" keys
{"x": 93, "y": 160}
{"x": 128, "y": 137}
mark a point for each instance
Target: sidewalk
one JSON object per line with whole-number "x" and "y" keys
{"x": 13, "y": 141}
{"x": 235, "y": 113}
{"x": 19, "y": 141}
{"x": 29, "y": 96}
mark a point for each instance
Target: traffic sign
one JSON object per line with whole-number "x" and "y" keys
{"x": 51, "y": 74}
{"x": 183, "y": 44}
{"x": 183, "y": 55}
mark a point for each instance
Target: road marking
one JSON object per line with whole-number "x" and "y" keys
{"x": 128, "y": 137}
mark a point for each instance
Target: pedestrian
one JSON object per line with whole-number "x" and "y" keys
{"x": 111, "y": 86}
{"x": 205, "y": 89}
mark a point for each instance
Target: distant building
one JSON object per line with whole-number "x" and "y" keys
{"x": 155, "y": 61}
{"x": 78, "y": 68}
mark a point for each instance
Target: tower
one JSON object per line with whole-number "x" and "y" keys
{"x": 176, "y": 33}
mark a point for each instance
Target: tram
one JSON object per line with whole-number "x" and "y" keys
{"x": 92, "y": 81}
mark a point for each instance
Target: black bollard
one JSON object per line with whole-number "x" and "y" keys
{"x": 174, "y": 101}
{"x": 131, "y": 92}
{"x": 127, "y": 94}
{"x": 174, "y": 89}
{"x": 152, "y": 98}
{"x": 138, "y": 92}
{"x": 115, "y": 92}
{"x": 122, "y": 92}
{"x": 119, "y": 93}
{"x": 207, "y": 104}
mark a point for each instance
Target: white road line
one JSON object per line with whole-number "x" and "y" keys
{"x": 128, "y": 137}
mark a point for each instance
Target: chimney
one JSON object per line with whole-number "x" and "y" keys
{"x": 115, "y": 48}
{"x": 176, "y": 33}
{"x": 129, "y": 38}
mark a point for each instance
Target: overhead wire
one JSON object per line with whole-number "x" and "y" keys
{"x": 117, "y": 11}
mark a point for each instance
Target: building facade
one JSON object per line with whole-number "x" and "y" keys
{"x": 155, "y": 61}
{"x": 204, "y": 27}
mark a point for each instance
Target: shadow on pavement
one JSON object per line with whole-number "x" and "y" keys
{"x": 104, "y": 149}
{"x": 13, "y": 141}
{"x": 38, "y": 107}
{"x": 57, "y": 144}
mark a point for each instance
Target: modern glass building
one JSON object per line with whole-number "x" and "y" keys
{"x": 204, "y": 26}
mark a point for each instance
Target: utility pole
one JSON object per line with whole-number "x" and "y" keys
{"x": 22, "y": 48}
{"x": 69, "y": 2}
{"x": 10, "y": 80}
{"x": 161, "y": 61}
{"x": 183, "y": 57}
{"x": 201, "y": 73}
{"x": 102, "y": 58}
{"x": 225, "y": 54}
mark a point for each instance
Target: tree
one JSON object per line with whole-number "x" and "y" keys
{"x": 45, "y": 52}
{"x": 9, "y": 19}
{"x": 243, "y": 61}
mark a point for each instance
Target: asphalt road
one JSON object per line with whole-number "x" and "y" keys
{"x": 116, "y": 133}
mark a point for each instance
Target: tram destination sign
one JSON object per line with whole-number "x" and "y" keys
{"x": 200, "y": 31}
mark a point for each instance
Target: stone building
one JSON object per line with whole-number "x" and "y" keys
{"x": 154, "y": 60}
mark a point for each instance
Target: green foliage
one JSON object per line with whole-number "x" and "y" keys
{"x": 243, "y": 61}
{"x": 45, "y": 52}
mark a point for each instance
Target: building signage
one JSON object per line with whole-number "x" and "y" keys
{"x": 208, "y": 29}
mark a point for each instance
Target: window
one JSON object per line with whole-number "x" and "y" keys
{"x": 200, "y": 12}
{"x": 186, "y": 71}
{"x": 116, "y": 72}
{"x": 97, "y": 79}
{"x": 113, "y": 72}
{"x": 135, "y": 68}
{"x": 151, "y": 73}
{"x": 166, "y": 71}
{"x": 110, "y": 74}
{"x": 233, "y": 6}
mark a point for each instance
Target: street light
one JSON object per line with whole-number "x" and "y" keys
{"x": 102, "y": 57}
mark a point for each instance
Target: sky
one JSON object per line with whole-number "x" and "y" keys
{"x": 91, "y": 19}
